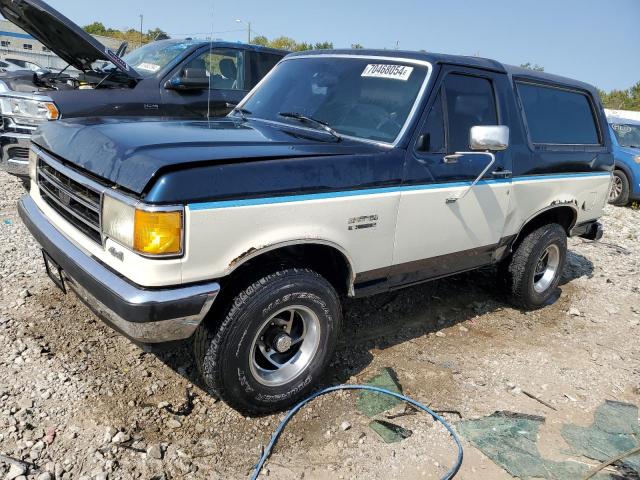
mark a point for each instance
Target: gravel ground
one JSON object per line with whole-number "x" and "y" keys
{"x": 78, "y": 400}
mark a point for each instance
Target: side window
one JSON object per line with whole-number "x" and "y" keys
{"x": 223, "y": 66}
{"x": 261, "y": 64}
{"x": 470, "y": 101}
{"x": 433, "y": 129}
{"x": 556, "y": 116}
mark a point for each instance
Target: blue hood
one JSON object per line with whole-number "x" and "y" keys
{"x": 132, "y": 152}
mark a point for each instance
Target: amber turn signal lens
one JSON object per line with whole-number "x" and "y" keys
{"x": 52, "y": 111}
{"x": 158, "y": 233}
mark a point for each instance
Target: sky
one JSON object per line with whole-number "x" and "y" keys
{"x": 594, "y": 41}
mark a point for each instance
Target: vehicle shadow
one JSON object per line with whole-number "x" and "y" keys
{"x": 388, "y": 319}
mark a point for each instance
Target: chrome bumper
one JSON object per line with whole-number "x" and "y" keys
{"x": 144, "y": 315}
{"x": 10, "y": 142}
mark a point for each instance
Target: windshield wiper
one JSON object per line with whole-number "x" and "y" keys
{"x": 320, "y": 125}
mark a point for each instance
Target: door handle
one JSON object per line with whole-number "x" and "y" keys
{"x": 453, "y": 158}
{"x": 502, "y": 173}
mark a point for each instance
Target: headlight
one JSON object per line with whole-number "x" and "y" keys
{"x": 149, "y": 232}
{"x": 29, "y": 108}
{"x": 636, "y": 159}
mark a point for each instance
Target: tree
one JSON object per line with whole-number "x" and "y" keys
{"x": 535, "y": 68}
{"x": 288, "y": 43}
{"x": 622, "y": 99}
{"x": 95, "y": 28}
{"x": 260, "y": 40}
{"x": 284, "y": 43}
{"x": 356, "y": 46}
{"x": 130, "y": 35}
{"x": 157, "y": 34}
{"x": 323, "y": 46}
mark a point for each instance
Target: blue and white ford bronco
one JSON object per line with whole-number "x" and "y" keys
{"x": 343, "y": 173}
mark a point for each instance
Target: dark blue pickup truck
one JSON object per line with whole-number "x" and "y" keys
{"x": 166, "y": 79}
{"x": 343, "y": 173}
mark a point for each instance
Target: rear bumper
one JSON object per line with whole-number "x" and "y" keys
{"x": 14, "y": 148}
{"x": 144, "y": 315}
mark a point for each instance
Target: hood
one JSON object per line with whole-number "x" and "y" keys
{"x": 61, "y": 35}
{"x": 131, "y": 152}
{"x": 631, "y": 151}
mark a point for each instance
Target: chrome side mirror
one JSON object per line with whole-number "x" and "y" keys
{"x": 489, "y": 138}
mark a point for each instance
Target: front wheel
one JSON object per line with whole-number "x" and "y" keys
{"x": 535, "y": 268}
{"x": 274, "y": 342}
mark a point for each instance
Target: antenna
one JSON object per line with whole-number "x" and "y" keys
{"x": 210, "y": 50}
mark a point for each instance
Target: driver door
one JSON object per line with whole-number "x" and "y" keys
{"x": 436, "y": 237}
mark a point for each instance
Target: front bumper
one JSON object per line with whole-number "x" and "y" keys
{"x": 14, "y": 148}
{"x": 145, "y": 315}
{"x": 15, "y": 141}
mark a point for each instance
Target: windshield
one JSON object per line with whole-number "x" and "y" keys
{"x": 359, "y": 97}
{"x": 628, "y": 135}
{"x": 152, "y": 57}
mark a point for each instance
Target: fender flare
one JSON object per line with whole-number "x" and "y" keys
{"x": 548, "y": 208}
{"x": 256, "y": 252}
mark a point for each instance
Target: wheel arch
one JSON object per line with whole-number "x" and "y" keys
{"x": 326, "y": 257}
{"x": 565, "y": 215}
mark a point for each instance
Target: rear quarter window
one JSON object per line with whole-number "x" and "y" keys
{"x": 557, "y": 116}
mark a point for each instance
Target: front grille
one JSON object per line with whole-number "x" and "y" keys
{"x": 18, "y": 153}
{"x": 77, "y": 203}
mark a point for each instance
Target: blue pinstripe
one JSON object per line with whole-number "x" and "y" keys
{"x": 375, "y": 191}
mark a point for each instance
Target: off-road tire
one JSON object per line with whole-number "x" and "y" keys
{"x": 223, "y": 349}
{"x": 520, "y": 268}
{"x": 622, "y": 200}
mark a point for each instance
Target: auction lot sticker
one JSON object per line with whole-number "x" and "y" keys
{"x": 394, "y": 72}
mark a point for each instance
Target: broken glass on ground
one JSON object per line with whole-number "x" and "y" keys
{"x": 390, "y": 432}
{"x": 510, "y": 440}
{"x": 372, "y": 403}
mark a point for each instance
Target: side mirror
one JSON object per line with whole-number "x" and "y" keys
{"x": 191, "y": 79}
{"x": 489, "y": 138}
{"x": 423, "y": 143}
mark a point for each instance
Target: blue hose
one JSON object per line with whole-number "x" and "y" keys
{"x": 267, "y": 452}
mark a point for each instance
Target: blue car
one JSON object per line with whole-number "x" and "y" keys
{"x": 625, "y": 139}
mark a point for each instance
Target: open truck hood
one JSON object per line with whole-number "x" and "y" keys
{"x": 61, "y": 35}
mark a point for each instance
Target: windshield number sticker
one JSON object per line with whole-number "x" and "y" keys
{"x": 393, "y": 72}
{"x": 149, "y": 67}
{"x": 621, "y": 128}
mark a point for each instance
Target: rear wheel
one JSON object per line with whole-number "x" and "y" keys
{"x": 274, "y": 342}
{"x": 535, "y": 268}
{"x": 619, "y": 193}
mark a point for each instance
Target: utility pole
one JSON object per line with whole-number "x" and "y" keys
{"x": 141, "y": 18}
{"x": 248, "y": 24}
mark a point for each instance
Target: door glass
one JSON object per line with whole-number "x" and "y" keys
{"x": 559, "y": 117}
{"x": 470, "y": 101}
{"x": 433, "y": 129}
{"x": 223, "y": 66}
{"x": 261, "y": 64}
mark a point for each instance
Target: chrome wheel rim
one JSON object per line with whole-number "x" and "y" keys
{"x": 546, "y": 268}
{"x": 285, "y": 345}
{"x": 616, "y": 188}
